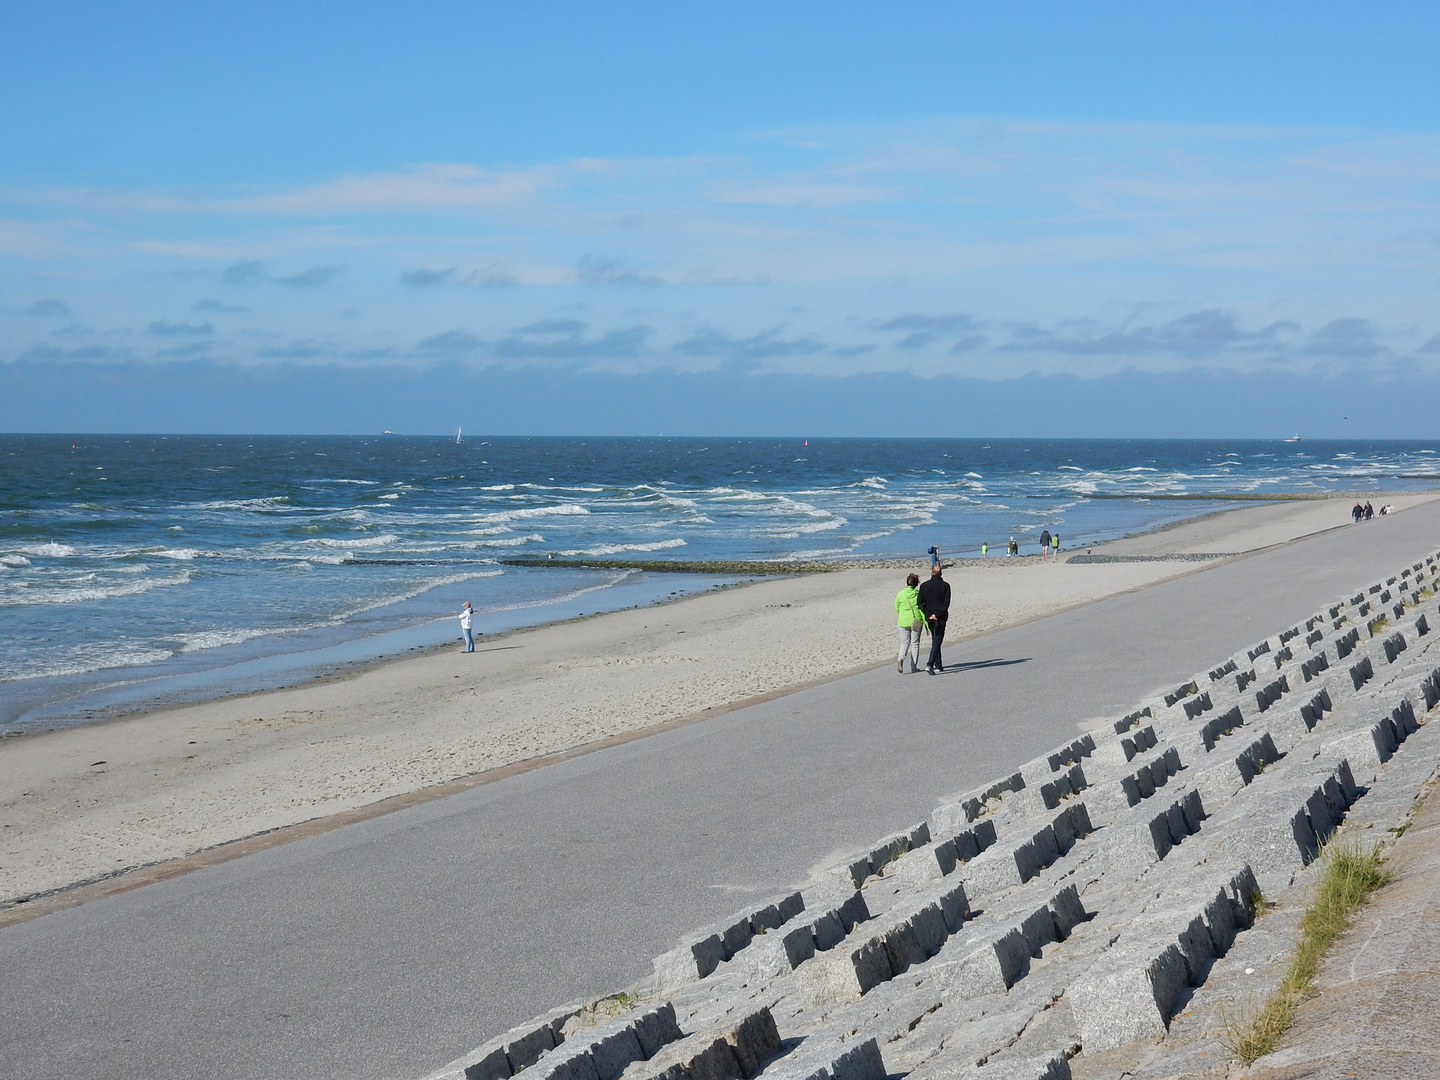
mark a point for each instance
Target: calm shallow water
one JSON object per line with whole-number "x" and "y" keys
{"x": 143, "y": 559}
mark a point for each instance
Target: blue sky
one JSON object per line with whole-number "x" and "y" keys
{"x": 685, "y": 209}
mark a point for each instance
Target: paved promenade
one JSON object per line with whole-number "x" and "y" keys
{"x": 387, "y": 948}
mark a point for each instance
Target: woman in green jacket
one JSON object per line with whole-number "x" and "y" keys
{"x": 911, "y": 621}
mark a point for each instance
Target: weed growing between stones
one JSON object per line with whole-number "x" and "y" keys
{"x": 1351, "y": 873}
{"x": 1377, "y": 624}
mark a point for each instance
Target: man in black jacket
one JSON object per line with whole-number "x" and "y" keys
{"x": 935, "y": 604}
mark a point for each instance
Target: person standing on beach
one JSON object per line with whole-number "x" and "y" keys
{"x": 934, "y": 599}
{"x": 984, "y": 549}
{"x": 1055, "y": 544}
{"x": 934, "y": 554}
{"x": 1012, "y": 548}
{"x": 467, "y": 616}
{"x": 1045, "y": 542}
{"x": 911, "y": 621}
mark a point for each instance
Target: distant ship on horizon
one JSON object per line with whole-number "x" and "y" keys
{"x": 1293, "y": 438}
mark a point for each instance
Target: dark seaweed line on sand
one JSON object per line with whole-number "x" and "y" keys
{"x": 685, "y": 566}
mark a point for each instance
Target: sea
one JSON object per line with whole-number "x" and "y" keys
{"x": 139, "y": 571}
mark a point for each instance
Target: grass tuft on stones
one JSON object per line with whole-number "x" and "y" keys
{"x": 1352, "y": 871}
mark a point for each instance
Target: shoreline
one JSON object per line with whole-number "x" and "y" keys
{"x": 99, "y": 802}
{"x": 107, "y": 695}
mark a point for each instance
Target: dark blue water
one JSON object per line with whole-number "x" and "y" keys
{"x": 149, "y": 558}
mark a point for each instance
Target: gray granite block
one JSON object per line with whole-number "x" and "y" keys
{"x": 1051, "y": 1066}
{"x": 694, "y": 958}
{"x": 990, "y": 964}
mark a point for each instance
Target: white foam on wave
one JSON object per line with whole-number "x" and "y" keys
{"x": 274, "y": 502}
{"x": 368, "y": 483}
{"x": 529, "y": 512}
{"x": 24, "y": 597}
{"x": 15, "y": 562}
{"x": 512, "y": 541}
{"x": 49, "y": 551}
{"x": 617, "y": 549}
{"x": 499, "y": 487}
{"x": 81, "y": 660}
{"x": 392, "y": 495}
{"x": 383, "y": 540}
{"x": 180, "y": 554}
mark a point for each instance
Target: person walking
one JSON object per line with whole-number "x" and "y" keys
{"x": 467, "y": 616}
{"x": 1055, "y": 544}
{"x": 1012, "y": 548}
{"x": 934, "y": 554}
{"x": 934, "y": 600}
{"x": 911, "y": 621}
{"x": 1045, "y": 542}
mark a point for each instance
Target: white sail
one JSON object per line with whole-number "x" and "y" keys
{"x": 457, "y": 436}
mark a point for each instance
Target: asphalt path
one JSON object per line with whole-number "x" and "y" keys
{"x": 386, "y": 948}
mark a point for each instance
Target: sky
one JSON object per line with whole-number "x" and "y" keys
{"x": 1107, "y": 219}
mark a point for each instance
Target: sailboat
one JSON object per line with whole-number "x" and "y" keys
{"x": 457, "y": 436}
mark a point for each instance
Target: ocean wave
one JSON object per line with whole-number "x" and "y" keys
{"x": 181, "y": 554}
{"x": 512, "y": 541}
{"x": 275, "y": 502}
{"x": 499, "y": 487}
{"x": 83, "y": 661}
{"x": 85, "y": 590}
{"x": 392, "y": 495}
{"x": 617, "y": 549}
{"x": 50, "y": 551}
{"x": 529, "y": 512}
{"x": 383, "y": 540}
{"x": 15, "y": 562}
{"x": 368, "y": 483}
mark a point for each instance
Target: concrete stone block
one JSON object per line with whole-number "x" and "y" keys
{"x": 613, "y": 1047}
{"x": 778, "y": 951}
{"x": 1070, "y": 824}
{"x": 655, "y": 1027}
{"x": 1271, "y": 834}
{"x": 754, "y": 1041}
{"x": 845, "y": 973}
{"x": 954, "y": 905}
{"x": 1128, "y": 996}
{"x": 826, "y": 930}
{"x": 1107, "y": 800}
{"x": 525, "y": 1044}
{"x": 1367, "y": 749}
{"x": 951, "y": 816}
{"x": 852, "y": 910}
{"x": 991, "y": 964}
{"x": 691, "y": 960}
{"x": 703, "y": 1056}
{"x": 1286, "y": 727}
{"x": 1052, "y": 1066}
{"x": 897, "y": 844}
{"x": 735, "y": 933}
{"x": 1220, "y": 781}
{"x": 571, "y": 1060}
{"x": 1010, "y": 862}
{"x": 929, "y": 863}
{"x": 845, "y": 878}
{"x": 858, "y": 1061}
{"x": 1067, "y": 911}
{"x": 489, "y": 1062}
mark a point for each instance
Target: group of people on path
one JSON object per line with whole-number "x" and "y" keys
{"x": 1049, "y": 545}
{"x": 922, "y": 609}
{"x": 1366, "y": 512}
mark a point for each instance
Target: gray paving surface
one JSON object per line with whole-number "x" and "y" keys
{"x": 389, "y": 947}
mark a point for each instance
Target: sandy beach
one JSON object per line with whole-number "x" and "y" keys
{"x": 85, "y": 803}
